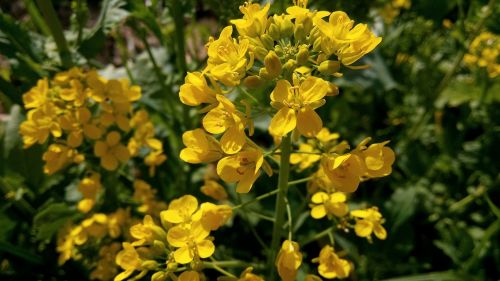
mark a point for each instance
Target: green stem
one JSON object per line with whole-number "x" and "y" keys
{"x": 178, "y": 15}
{"x": 55, "y": 27}
{"x": 36, "y": 17}
{"x": 256, "y": 199}
{"x": 300, "y": 181}
{"x": 215, "y": 266}
{"x": 279, "y": 215}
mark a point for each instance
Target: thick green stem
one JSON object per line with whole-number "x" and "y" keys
{"x": 36, "y": 17}
{"x": 279, "y": 215}
{"x": 178, "y": 16}
{"x": 55, "y": 27}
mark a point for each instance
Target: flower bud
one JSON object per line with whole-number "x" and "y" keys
{"x": 267, "y": 41}
{"x": 321, "y": 58}
{"x": 273, "y": 64}
{"x": 329, "y": 67}
{"x": 159, "y": 246}
{"x": 302, "y": 55}
{"x": 263, "y": 74}
{"x": 149, "y": 265}
{"x": 253, "y": 82}
{"x": 286, "y": 28}
{"x": 274, "y": 31}
{"x": 317, "y": 44}
{"x": 159, "y": 276}
{"x": 299, "y": 32}
{"x": 172, "y": 266}
{"x": 260, "y": 52}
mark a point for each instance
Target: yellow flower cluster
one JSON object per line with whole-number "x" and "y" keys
{"x": 484, "y": 52}
{"x": 183, "y": 237}
{"x": 295, "y": 53}
{"x": 392, "y": 9}
{"x": 79, "y": 109}
{"x": 95, "y": 228}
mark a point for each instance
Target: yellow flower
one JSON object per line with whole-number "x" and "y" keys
{"x": 111, "y": 151}
{"x": 191, "y": 241}
{"x": 58, "y": 156}
{"x": 340, "y": 38}
{"x": 129, "y": 260}
{"x": 180, "y": 210}
{"x": 325, "y": 137}
{"x": 213, "y": 189}
{"x": 40, "y": 123}
{"x": 38, "y": 95}
{"x": 288, "y": 260}
{"x": 243, "y": 168}
{"x": 369, "y": 221}
{"x": 154, "y": 159}
{"x": 296, "y": 105}
{"x": 79, "y": 124}
{"x": 227, "y": 60}
{"x": 201, "y": 147}
{"x": 328, "y": 204}
{"x": 247, "y": 275}
{"x": 305, "y": 160}
{"x": 214, "y": 216}
{"x": 254, "y": 21}
{"x": 344, "y": 171}
{"x": 377, "y": 159}
{"x": 195, "y": 90}
{"x": 226, "y": 119}
{"x": 89, "y": 187}
{"x": 331, "y": 266}
{"x": 147, "y": 232}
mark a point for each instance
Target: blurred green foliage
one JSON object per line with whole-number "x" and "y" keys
{"x": 442, "y": 119}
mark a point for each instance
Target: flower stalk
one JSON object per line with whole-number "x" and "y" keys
{"x": 279, "y": 215}
{"x": 55, "y": 27}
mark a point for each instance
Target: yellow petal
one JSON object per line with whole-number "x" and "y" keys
{"x": 205, "y": 248}
{"x": 308, "y": 122}
{"x": 283, "y": 122}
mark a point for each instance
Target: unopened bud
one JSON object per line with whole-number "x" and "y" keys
{"x": 267, "y": 41}
{"x": 302, "y": 55}
{"x": 149, "y": 264}
{"x": 260, "y": 52}
{"x": 273, "y": 64}
{"x": 329, "y": 67}
{"x": 253, "y": 82}
{"x": 172, "y": 266}
{"x": 299, "y": 32}
{"x": 274, "y": 31}
{"x": 286, "y": 28}
{"x": 159, "y": 276}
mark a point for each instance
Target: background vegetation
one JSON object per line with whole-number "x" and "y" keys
{"x": 440, "y": 114}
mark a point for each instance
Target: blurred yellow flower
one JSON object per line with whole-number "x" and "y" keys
{"x": 214, "y": 190}
{"x": 254, "y": 21}
{"x": 111, "y": 151}
{"x": 369, "y": 221}
{"x": 328, "y": 204}
{"x": 288, "y": 260}
{"x": 330, "y": 265}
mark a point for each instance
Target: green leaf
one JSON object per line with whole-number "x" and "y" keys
{"x": 112, "y": 13}
{"x": 50, "y": 219}
{"x": 433, "y": 276}
{"x": 12, "y": 130}
{"x": 402, "y": 206}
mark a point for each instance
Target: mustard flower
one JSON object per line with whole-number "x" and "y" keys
{"x": 296, "y": 105}
{"x": 288, "y": 260}
{"x": 330, "y": 265}
{"x": 191, "y": 241}
{"x": 328, "y": 204}
{"x": 195, "y": 90}
{"x": 225, "y": 119}
{"x": 227, "y": 60}
{"x": 369, "y": 221}
{"x": 344, "y": 171}
{"x": 111, "y": 151}
{"x": 243, "y": 168}
{"x": 201, "y": 147}
{"x": 214, "y": 190}
{"x": 254, "y": 21}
